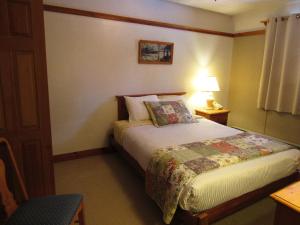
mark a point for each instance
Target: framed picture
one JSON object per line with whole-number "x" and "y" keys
{"x": 155, "y": 52}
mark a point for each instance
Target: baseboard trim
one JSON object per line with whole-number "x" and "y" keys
{"x": 81, "y": 154}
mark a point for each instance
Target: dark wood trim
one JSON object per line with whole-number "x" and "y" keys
{"x": 101, "y": 15}
{"x": 220, "y": 211}
{"x": 122, "y": 109}
{"x": 250, "y": 33}
{"x": 81, "y": 154}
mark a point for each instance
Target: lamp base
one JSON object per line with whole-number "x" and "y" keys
{"x": 209, "y": 104}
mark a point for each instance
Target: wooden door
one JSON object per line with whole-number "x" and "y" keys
{"x": 24, "y": 102}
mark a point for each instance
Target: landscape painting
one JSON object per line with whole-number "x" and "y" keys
{"x": 155, "y": 52}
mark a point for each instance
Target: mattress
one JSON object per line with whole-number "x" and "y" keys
{"x": 141, "y": 139}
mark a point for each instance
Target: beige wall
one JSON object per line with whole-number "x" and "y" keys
{"x": 91, "y": 60}
{"x": 245, "y": 75}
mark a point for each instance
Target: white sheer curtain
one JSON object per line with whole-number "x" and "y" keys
{"x": 280, "y": 79}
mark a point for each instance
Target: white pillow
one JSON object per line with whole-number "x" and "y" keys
{"x": 136, "y": 107}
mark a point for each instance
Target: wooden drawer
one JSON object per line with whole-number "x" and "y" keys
{"x": 219, "y": 116}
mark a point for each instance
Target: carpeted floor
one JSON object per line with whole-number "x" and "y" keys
{"x": 114, "y": 194}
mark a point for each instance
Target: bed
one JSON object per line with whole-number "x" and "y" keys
{"x": 214, "y": 194}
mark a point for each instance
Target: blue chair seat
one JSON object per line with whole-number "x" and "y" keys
{"x": 50, "y": 210}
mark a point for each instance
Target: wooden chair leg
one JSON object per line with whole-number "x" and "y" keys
{"x": 81, "y": 215}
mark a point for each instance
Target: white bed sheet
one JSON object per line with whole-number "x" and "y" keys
{"x": 214, "y": 187}
{"x": 142, "y": 141}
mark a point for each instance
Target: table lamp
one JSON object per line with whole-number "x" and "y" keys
{"x": 209, "y": 85}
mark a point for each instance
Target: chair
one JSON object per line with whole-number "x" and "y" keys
{"x": 49, "y": 210}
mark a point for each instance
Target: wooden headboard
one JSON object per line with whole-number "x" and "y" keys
{"x": 122, "y": 109}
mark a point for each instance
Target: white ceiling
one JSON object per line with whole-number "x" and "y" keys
{"x": 234, "y": 7}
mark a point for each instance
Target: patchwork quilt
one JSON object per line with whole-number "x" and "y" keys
{"x": 172, "y": 168}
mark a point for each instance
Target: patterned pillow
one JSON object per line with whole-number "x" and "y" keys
{"x": 169, "y": 112}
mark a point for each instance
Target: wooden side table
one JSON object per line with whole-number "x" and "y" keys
{"x": 288, "y": 205}
{"x": 219, "y": 116}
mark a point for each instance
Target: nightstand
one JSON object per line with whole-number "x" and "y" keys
{"x": 217, "y": 115}
{"x": 288, "y": 205}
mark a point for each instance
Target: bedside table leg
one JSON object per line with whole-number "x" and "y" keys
{"x": 284, "y": 215}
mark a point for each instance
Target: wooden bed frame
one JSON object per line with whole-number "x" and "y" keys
{"x": 218, "y": 212}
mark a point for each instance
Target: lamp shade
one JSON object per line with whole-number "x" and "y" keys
{"x": 209, "y": 84}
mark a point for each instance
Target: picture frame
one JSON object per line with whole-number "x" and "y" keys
{"x": 155, "y": 52}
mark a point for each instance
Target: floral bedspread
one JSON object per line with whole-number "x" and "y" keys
{"x": 172, "y": 168}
